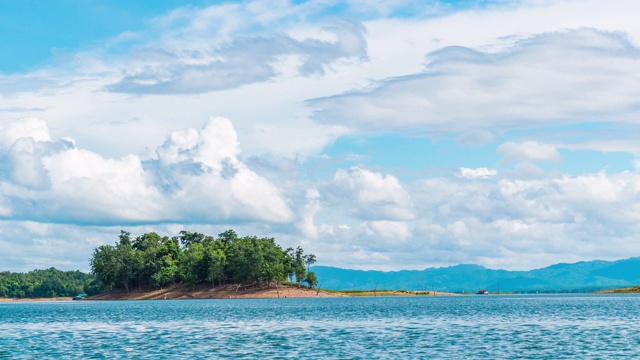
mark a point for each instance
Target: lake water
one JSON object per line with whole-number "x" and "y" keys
{"x": 489, "y": 327}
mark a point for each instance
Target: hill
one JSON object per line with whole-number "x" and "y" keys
{"x": 578, "y": 277}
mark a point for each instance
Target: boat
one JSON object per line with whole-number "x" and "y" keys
{"x": 483, "y": 292}
{"x": 80, "y": 297}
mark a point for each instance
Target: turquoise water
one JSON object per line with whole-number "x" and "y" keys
{"x": 489, "y": 327}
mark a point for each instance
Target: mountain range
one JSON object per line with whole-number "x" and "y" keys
{"x": 576, "y": 277}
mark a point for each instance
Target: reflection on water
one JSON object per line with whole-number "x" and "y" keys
{"x": 553, "y": 327}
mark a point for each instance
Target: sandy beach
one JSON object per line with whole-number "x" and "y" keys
{"x": 229, "y": 292}
{"x": 219, "y": 292}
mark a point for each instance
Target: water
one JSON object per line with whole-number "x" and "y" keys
{"x": 490, "y": 327}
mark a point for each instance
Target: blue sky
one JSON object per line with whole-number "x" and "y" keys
{"x": 401, "y": 135}
{"x": 35, "y": 30}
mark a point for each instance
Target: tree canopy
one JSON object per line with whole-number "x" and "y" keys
{"x": 153, "y": 261}
{"x": 47, "y": 283}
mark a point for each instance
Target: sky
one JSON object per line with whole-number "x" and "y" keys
{"x": 377, "y": 135}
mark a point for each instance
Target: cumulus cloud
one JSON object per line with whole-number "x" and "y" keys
{"x": 207, "y": 181}
{"x": 25, "y": 128}
{"x": 87, "y": 187}
{"x": 445, "y": 70}
{"x": 501, "y": 222}
{"x": 479, "y": 173}
{"x": 196, "y": 177}
{"x": 371, "y": 195}
{"x": 216, "y": 143}
{"x": 533, "y": 83}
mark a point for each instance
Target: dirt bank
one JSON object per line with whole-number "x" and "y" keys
{"x": 219, "y": 292}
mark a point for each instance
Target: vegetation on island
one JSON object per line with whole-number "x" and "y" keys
{"x": 626, "y": 290}
{"x": 377, "y": 292}
{"x": 47, "y": 283}
{"x": 154, "y": 261}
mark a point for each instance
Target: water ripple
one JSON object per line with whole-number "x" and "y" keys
{"x": 496, "y": 327}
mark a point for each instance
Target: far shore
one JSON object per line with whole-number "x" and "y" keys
{"x": 238, "y": 292}
{"x": 35, "y": 299}
{"x": 627, "y": 290}
{"x": 182, "y": 292}
{"x": 218, "y": 292}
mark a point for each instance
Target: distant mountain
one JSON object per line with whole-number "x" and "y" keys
{"x": 581, "y": 276}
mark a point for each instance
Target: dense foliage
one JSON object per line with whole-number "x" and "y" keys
{"x": 152, "y": 261}
{"x": 47, "y": 283}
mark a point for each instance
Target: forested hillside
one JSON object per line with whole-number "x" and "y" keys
{"x": 47, "y": 283}
{"x": 581, "y": 276}
{"x": 152, "y": 261}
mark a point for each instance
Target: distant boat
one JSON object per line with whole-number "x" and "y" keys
{"x": 80, "y": 297}
{"x": 483, "y": 292}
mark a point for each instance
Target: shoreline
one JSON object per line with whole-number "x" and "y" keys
{"x": 4, "y": 300}
{"x": 203, "y": 291}
{"x": 179, "y": 292}
{"x": 627, "y": 290}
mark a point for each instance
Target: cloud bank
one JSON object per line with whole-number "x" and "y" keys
{"x": 196, "y": 177}
{"x": 474, "y": 131}
{"x": 533, "y": 83}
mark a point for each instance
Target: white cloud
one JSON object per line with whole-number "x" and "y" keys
{"x": 25, "y": 128}
{"x": 213, "y": 52}
{"x": 198, "y": 177}
{"x": 488, "y": 70}
{"x": 476, "y": 138}
{"x": 371, "y": 195}
{"x": 529, "y": 84}
{"x": 394, "y": 230}
{"x": 87, "y": 187}
{"x": 207, "y": 181}
{"x": 528, "y": 151}
{"x": 216, "y": 143}
{"x": 479, "y": 173}
{"x": 307, "y": 222}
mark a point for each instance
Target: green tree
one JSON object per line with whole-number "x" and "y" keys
{"x": 193, "y": 267}
{"x": 192, "y": 258}
{"x": 288, "y": 259}
{"x": 168, "y": 256}
{"x": 272, "y": 268}
{"x": 214, "y": 262}
{"x": 104, "y": 265}
{"x": 126, "y": 263}
{"x": 188, "y": 238}
{"x": 147, "y": 253}
{"x": 298, "y": 265}
{"x": 311, "y": 279}
{"x": 244, "y": 260}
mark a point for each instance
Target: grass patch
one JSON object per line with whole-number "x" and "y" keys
{"x": 379, "y": 292}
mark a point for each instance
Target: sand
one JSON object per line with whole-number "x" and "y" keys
{"x": 219, "y": 292}
{"x": 229, "y": 292}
